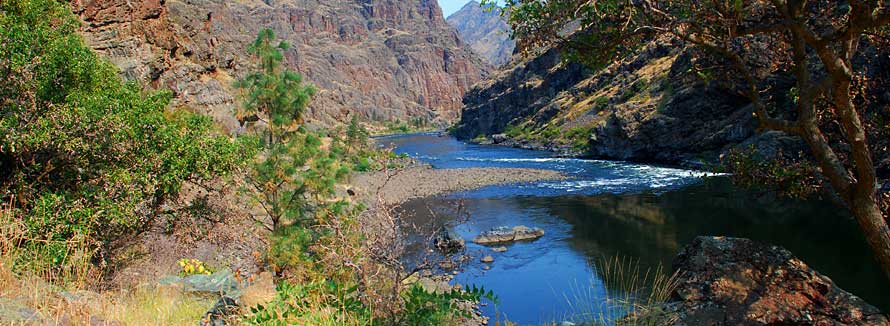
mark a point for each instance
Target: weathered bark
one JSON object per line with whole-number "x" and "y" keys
{"x": 871, "y": 220}
{"x": 857, "y": 186}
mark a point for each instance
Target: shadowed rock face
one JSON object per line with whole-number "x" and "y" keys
{"x": 730, "y": 281}
{"x": 381, "y": 59}
{"x": 487, "y": 32}
{"x": 648, "y": 107}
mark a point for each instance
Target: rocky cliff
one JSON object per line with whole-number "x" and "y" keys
{"x": 648, "y": 107}
{"x": 486, "y": 31}
{"x": 382, "y": 59}
{"x": 731, "y": 281}
{"x": 653, "y": 106}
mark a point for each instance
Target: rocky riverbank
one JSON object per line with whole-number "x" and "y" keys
{"x": 732, "y": 281}
{"x": 418, "y": 180}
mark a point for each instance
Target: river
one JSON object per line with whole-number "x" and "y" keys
{"x": 612, "y": 209}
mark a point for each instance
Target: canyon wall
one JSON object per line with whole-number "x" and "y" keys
{"x": 379, "y": 59}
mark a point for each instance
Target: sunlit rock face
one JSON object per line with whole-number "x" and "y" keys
{"x": 731, "y": 281}
{"x": 486, "y": 31}
{"x": 380, "y": 59}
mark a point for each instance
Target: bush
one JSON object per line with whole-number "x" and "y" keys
{"x": 425, "y": 308}
{"x": 318, "y": 303}
{"x": 289, "y": 247}
{"x": 786, "y": 176}
{"x": 84, "y": 154}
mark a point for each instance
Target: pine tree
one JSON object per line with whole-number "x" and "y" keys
{"x": 294, "y": 173}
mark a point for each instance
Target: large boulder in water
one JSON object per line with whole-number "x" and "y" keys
{"x": 731, "y": 281}
{"x": 504, "y": 234}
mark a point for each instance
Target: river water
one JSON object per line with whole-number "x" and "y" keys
{"x": 614, "y": 209}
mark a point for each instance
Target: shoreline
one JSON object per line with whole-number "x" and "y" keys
{"x": 393, "y": 187}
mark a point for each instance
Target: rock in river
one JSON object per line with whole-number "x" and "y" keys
{"x": 731, "y": 281}
{"x": 449, "y": 241}
{"x": 487, "y": 259}
{"x": 504, "y": 234}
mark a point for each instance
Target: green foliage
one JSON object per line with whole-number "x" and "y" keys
{"x": 277, "y": 94}
{"x": 425, "y": 308}
{"x": 317, "y": 303}
{"x": 397, "y": 127}
{"x": 601, "y": 102}
{"x": 82, "y": 153}
{"x": 356, "y": 135}
{"x": 785, "y": 176}
{"x": 293, "y": 166}
{"x": 513, "y": 131}
{"x": 289, "y": 246}
{"x": 603, "y": 28}
{"x": 579, "y": 137}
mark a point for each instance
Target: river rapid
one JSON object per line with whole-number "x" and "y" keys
{"x": 608, "y": 209}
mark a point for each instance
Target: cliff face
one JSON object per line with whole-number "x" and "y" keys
{"x": 381, "y": 59}
{"x": 487, "y": 32}
{"x": 648, "y": 108}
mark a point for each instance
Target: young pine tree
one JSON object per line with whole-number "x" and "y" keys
{"x": 294, "y": 174}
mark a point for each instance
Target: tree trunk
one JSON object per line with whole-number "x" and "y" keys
{"x": 866, "y": 211}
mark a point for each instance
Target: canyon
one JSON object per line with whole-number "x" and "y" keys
{"x": 382, "y": 60}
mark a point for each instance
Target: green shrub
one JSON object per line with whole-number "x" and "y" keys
{"x": 425, "y": 308}
{"x": 318, "y": 303}
{"x": 289, "y": 246}
{"x": 84, "y": 154}
{"x": 601, "y": 102}
{"x": 795, "y": 178}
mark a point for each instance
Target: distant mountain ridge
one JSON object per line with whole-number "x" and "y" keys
{"x": 487, "y": 32}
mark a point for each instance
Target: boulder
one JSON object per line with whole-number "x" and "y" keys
{"x": 17, "y": 313}
{"x": 222, "y": 283}
{"x": 449, "y": 241}
{"x": 505, "y": 234}
{"x": 731, "y": 281}
{"x": 487, "y": 259}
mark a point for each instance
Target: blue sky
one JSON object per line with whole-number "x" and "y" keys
{"x": 450, "y": 6}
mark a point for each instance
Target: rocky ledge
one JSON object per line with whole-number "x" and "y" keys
{"x": 731, "y": 281}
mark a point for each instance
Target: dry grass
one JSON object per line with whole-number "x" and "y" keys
{"x": 633, "y": 296}
{"x": 58, "y": 296}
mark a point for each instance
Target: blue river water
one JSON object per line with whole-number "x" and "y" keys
{"x": 610, "y": 209}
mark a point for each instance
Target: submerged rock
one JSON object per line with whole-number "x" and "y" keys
{"x": 504, "y": 234}
{"x": 731, "y": 281}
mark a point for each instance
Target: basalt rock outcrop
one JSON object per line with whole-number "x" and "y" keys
{"x": 731, "y": 281}
{"x": 486, "y": 31}
{"x": 381, "y": 59}
{"x": 649, "y": 107}
{"x": 653, "y": 106}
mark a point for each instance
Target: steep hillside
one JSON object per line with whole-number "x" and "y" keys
{"x": 486, "y": 31}
{"x": 382, "y": 59}
{"x": 648, "y": 107}
{"x": 653, "y": 106}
